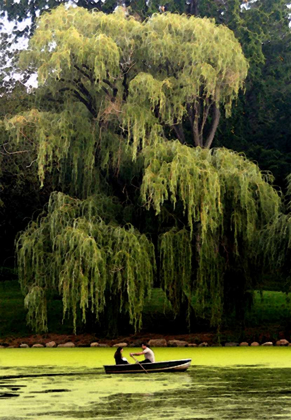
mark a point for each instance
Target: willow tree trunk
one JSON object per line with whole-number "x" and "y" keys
{"x": 193, "y": 7}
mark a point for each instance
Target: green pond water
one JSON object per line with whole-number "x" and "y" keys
{"x": 222, "y": 383}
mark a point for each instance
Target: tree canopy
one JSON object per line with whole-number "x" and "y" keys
{"x": 181, "y": 69}
{"x": 262, "y": 28}
{"x": 135, "y": 203}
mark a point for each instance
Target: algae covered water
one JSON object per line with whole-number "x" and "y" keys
{"x": 222, "y": 383}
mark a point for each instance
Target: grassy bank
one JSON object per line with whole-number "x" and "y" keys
{"x": 270, "y": 308}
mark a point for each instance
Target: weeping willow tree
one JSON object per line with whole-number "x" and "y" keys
{"x": 119, "y": 106}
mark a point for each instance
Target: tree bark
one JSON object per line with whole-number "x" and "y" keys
{"x": 193, "y": 7}
{"x": 215, "y": 122}
{"x": 195, "y": 125}
{"x": 178, "y": 128}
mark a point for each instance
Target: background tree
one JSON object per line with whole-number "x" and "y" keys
{"x": 259, "y": 125}
{"x": 20, "y": 195}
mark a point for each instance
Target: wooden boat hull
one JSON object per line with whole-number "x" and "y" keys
{"x": 169, "y": 366}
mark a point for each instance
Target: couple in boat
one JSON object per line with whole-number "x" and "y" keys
{"x": 122, "y": 365}
{"x": 146, "y": 352}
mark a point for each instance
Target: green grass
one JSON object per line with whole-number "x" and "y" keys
{"x": 13, "y": 314}
{"x": 270, "y": 308}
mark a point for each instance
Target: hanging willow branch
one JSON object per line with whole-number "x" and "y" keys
{"x": 176, "y": 267}
{"x": 275, "y": 241}
{"x": 74, "y": 252}
{"x": 226, "y": 195}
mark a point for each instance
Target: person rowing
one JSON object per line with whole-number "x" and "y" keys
{"x": 147, "y": 353}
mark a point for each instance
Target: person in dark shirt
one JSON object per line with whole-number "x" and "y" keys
{"x": 119, "y": 360}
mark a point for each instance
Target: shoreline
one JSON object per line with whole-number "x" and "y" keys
{"x": 155, "y": 340}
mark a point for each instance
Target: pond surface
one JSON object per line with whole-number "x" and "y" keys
{"x": 222, "y": 383}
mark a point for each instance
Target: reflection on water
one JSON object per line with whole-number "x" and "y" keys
{"x": 245, "y": 392}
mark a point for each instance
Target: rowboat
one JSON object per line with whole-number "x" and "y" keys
{"x": 169, "y": 366}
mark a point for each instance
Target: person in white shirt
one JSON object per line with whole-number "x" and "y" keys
{"x": 147, "y": 352}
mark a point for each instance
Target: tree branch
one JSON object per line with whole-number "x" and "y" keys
{"x": 195, "y": 125}
{"x": 215, "y": 122}
{"x": 31, "y": 163}
{"x": 89, "y": 76}
{"x": 81, "y": 92}
{"x": 81, "y": 99}
{"x": 125, "y": 87}
{"x": 12, "y": 153}
{"x": 179, "y": 132}
{"x": 113, "y": 87}
{"x": 193, "y": 7}
{"x": 206, "y": 110}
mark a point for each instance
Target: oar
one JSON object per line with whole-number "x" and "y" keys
{"x": 139, "y": 364}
